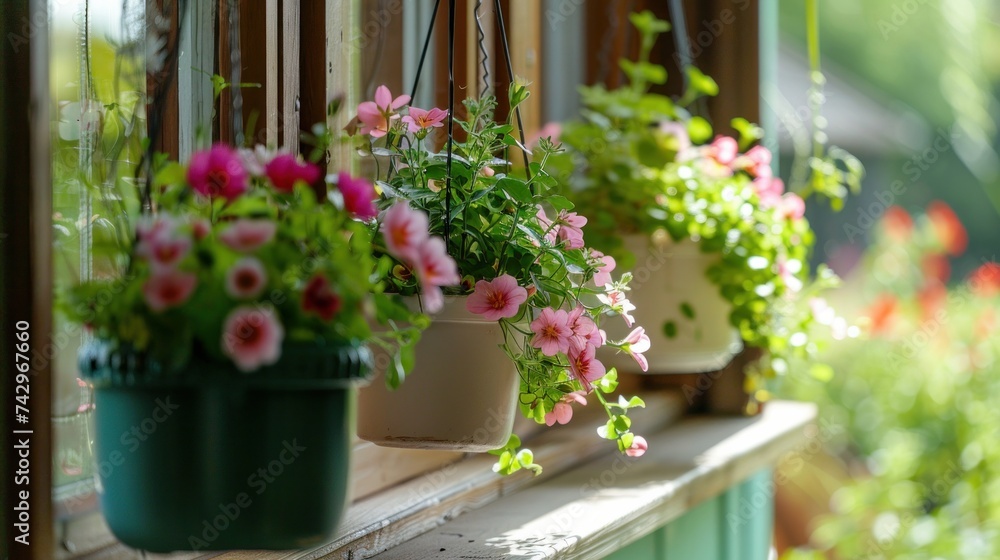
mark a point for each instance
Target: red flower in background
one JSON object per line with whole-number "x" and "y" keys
{"x": 319, "y": 298}
{"x": 948, "y": 227}
{"x": 897, "y": 223}
{"x": 882, "y": 312}
{"x": 936, "y": 268}
{"x": 985, "y": 280}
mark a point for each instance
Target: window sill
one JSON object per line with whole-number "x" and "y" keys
{"x": 588, "y": 503}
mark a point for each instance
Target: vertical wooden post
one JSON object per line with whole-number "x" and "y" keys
{"x": 26, "y": 271}
{"x": 194, "y": 77}
{"x": 342, "y": 73}
{"x": 290, "y": 74}
{"x": 272, "y": 37}
{"x": 163, "y": 84}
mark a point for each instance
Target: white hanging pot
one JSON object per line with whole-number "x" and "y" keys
{"x": 686, "y": 319}
{"x": 461, "y": 395}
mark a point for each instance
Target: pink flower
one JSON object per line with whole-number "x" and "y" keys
{"x": 756, "y": 162}
{"x": 603, "y": 274}
{"x": 164, "y": 250}
{"x": 246, "y": 235}
{"x": 435, "y": 268}
{"x": 552, "y": 334}
{"x": 246, "y": 279}
{"x": 769, "y": 190}
{"x": 404, "y": 230}
{"x": 562, "y": 412}
{"x": 791, "y": 206}
{"x": 497, "y": 299}
{"x": 251, "y": 337}
{"x": 319, "y": 298}
{"x": 585, "y": 331}
{"x": 618, "y": 303}
{"x": 546, "y": 224}
{"x": 168, "y": 289}
{"x": 585, "y": 367}
{"x": 285, "y": 170}
{"x": 487, "y": 171}
{"x": 635, "y": 344}
{"x": 376, "y": 116}
{"x": 149, "y": 227}
{"x": 723, "y": 150}
{"x": 359, "y": 195}
{"x": 217, "y": 172}
{"x": 570, "y": 228}
{"x": 639, "y": 447}
{"x": 419, "y": 119}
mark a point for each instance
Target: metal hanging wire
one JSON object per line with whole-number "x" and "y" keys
{"x": 451, "y": 94}
{"x": 681, "y": 39}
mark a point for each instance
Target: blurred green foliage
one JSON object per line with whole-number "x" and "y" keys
{"x": 920, "y": 401}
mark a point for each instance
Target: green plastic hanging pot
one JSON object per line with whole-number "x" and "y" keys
{"x": 206, "y": 457}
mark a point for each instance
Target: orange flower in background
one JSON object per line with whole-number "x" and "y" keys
{"x": 931, "y": 299}
{"x": 897, "y": 223}
{"x": 985, "y": 280}
{"x": 948, "y": 227}
{"x": 936, "y": 268}
{"x": 881, "y": 313}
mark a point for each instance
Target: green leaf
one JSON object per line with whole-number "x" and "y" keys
{"x": 687, "y": 310}
{"x": 821, "y": 372}
{"x": 516, "y": 189}
{"x": 670, "y": 329}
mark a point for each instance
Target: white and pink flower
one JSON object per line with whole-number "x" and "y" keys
{"x": 251, "y": 337}
{"x": 247, "y": 235}
{"x": 638, "y": 448}
{"x": 168, "y": 289}
{"x": 635, "y": 344}
{"x": 246, "y": 279}
{"x": 616, "y": 300}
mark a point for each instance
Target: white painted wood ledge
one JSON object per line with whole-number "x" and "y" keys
{"x": 589, "y": 502}
{"x": 599, "y": 508}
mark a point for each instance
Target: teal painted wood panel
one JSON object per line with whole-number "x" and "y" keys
{"x": 734, "y": 526}
{"x": 695, "y": 536}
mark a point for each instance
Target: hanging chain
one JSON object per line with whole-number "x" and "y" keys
{"x": 236, "y": 62}
{"x": 451, "y": 123}
{"x": 681, "y": 39}
{"x": 510, "y": 78}
{"x": 484, "y": 62}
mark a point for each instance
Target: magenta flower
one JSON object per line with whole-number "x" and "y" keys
{"x": 435, "y": 268}
{"x": 552, "y": 334}
{"x": 419, "y": 119}
{"x": 246, "y": 279}
{"x": 585, "y": 367}
{"x": 168, "y": 289}
{"x": 768, "y": 190}
{"x": 218, "y": 171}
{"x": 608, "y": 264}
{"x": 723, "y": 150}
{"x": 636, "y": 343}
{"x": 359, "y": 195}
{"x": 791, "y": 206}
{"x": 251, "y": 337}
{"x": 404, "y": 230}
{"x": 497, "y": 299}
{"x": 246, "y": 235}
{"x": 285, "y": 170}
{"x": 319, "y": 298}
{"x": 570, "y": 228}
{"x": 377, "y": 116}
{"x": 562, "y": 412}
{"x": 639, "y": 447}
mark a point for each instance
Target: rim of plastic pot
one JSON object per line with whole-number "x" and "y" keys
{"x": 318, "y": 364}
